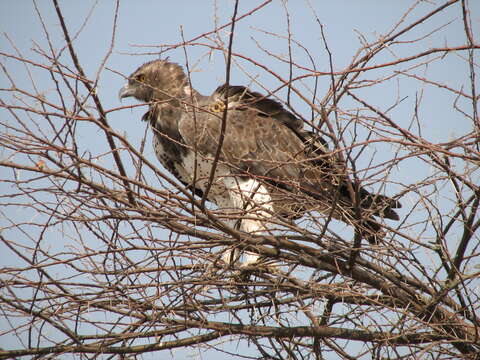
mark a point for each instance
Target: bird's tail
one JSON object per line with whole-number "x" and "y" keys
{"x": 362, "y": 215}
{"x": 380, "y": 205}
{"x": 372, "y": 204}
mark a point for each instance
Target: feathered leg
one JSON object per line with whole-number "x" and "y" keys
{"x": 252, "y": 198}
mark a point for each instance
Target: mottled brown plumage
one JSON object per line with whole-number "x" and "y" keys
{"x": 263, "y": 145}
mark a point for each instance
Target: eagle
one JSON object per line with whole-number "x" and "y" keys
{"x": 247, "y": 154}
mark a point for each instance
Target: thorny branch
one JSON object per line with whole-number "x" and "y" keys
{"x": 115, "y": 257}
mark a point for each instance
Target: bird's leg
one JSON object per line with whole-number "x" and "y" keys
{"x": 250, "y": 259}
{"x": 230, "y": 256}
{"x": 253, "y": 198}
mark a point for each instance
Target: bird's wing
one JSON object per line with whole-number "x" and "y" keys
{"x": 258, "y": 146}
{"x": 264, "y": 148}
{"x": 315, "y": 147}
{"x": 242, "y": 98}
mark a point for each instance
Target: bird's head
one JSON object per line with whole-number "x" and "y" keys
{"x": 157, "y": 80}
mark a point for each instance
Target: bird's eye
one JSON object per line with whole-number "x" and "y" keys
{"x": 140, "y": 78}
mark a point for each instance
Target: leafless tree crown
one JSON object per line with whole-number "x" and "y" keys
{"x": 105, "y": 255}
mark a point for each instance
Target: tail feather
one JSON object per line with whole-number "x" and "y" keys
{"x": 381, "y": 205}
{"x": 376, "y": 205}
{"x": 372, "y": 231}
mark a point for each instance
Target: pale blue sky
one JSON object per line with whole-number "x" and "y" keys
{"x": 154, "y": 23}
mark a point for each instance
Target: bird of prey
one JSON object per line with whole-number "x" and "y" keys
{"x": 247, "y": 154}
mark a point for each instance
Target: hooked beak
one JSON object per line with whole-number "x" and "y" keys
{"x": 125, "y": 91}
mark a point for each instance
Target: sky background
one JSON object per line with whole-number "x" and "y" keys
{"x": 144, "y": 28}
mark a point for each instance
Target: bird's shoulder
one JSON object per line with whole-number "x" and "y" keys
{"x": 242, "y": 98}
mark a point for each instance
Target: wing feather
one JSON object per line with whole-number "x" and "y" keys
{"x": 262, "y": 147}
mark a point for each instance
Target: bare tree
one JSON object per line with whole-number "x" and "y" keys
{"x": 107, "y": 256}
